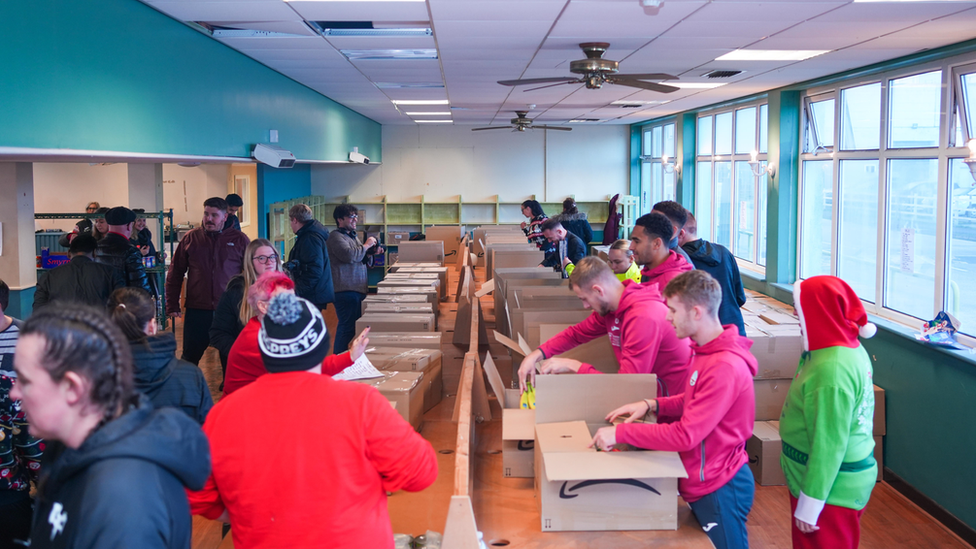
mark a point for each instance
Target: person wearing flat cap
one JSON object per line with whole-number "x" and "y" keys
{"x": 115, "y": 249}
{"x": 342, "y": 445}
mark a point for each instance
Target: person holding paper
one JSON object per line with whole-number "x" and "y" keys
{"x": 244, "y": 363}
{"x": 320, "y": 477}
{"x": 716, "y": 413}
{"x": 632, "y": 315}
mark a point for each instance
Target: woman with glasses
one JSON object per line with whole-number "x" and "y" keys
{"x": 233, "y": 310}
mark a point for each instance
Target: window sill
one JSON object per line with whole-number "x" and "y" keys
{"x": 966, "y": 355}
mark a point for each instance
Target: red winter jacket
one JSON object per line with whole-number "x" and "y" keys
{"x": 717, "y": 410}
{"x": 209, "y": 260}
{"x": 674, "y": 265}
{"x": 301, "y": 460}
{"x": 244, "y": 362}
{"x": 643, "y": 340}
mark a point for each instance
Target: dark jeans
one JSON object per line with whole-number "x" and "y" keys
{"x": 15, "y": 521}
{"x": 348, "y": 307}
{"x": 196, "y": 334}
{"x": 722, "y": 514}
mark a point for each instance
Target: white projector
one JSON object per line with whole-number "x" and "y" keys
{"x": 276, "y": 157}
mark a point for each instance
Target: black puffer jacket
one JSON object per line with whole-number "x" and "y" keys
{"x": 312, "y": 273}
{"x": 719, "y": 262}
{"x": 168, "y": 381}
{"x": 124, "y": 486}
{"x": 577, "y": 224}
{"x": 226, "y": 325}
{"x": 80, "y": 280}
{"x": 116, "y": 250}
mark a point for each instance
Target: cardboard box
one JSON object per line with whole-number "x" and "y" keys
{"x": 518, "y": 441}
{"x": 778, "y": 354}
{"x": 433, "y": 283}
{"x": 879, "y": 456}
{"x": 415, "y": 360}
{"x": 395, "y": 238}
{"x": 429, "y": 292}
{"x": 441, "y": 272}
{"x": 764, "y": 449}
{"x": 409, "y": 308}
{"x": 596, "y": 352}
{"x": 880, "y": 427}
{"x": 603, "y": 252}
{"x": 407, "y": 340}
{"x": 580, "y": 489}
{"x": 396, "y": 322}
{"x": 770, "y": 397}
{"x": 422, "y": 251}
{"x": 406, "y": 390}
{"x": 395, "y": 298}
{"x": 451, "y": 236}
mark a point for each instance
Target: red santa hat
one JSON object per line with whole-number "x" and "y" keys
{"x": 831, "y": 314}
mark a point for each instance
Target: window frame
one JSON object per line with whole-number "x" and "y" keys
{"x": 648, "y": 158}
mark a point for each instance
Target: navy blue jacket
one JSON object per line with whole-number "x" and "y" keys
{"x": 312, "y": 273}
{"x": 719, "y": 262}
{"x": 168, "y": 381}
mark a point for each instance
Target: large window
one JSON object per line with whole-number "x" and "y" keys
{"x": 657, "y": 164}
{"x": 887, "y": 201}
{"x": 730, "y": 198}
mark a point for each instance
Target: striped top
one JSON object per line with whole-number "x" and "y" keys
{"x": 8, "y": 341}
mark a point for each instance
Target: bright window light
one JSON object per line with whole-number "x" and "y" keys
{"x": 445, "y": 113}
{"x": 420, "y": 101}
{"x": 697, "y": 85}
{"x": 768, "y": 55}
{"x": 434, "y": 121}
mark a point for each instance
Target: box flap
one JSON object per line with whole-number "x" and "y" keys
{"x": 495, "y": 380}
{"x": 518, "y": 424}
{"x": 765, "y": 432}
{"x": 521, "y": 347}
{"x": 486, "y": 288}
{"x": 567, "y": 436}
{"x": 526, "y": 350}
{"x": 612, "y": 465}
{"x": 572, "y": 397}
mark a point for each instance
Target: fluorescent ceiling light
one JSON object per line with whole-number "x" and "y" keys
{"x": 697, "y": 85}
{"x": 768, "y": 55}
{"x": 445, "y": 113}
{"x": 628, "y": 102}
{"x": 420, "y": 101}
{"x": 581, "y": 120}
{"x": 434, "y": 121}
{"x": 389, "y": 54}
{"x": 253, "y": 33}
{"x": 407, "y": 86}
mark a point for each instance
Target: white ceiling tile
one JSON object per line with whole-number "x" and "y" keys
{"x": 244, "y": 44}
{"x": 906, "y": 12}
{"x": 361, "y": 11}
{"x": 505, "y": 10}
{"x": 609, "y": 21}
{"x": 382, "y": 43}
{"x": 751, "y": 11}
{"x": 228, "y": 11}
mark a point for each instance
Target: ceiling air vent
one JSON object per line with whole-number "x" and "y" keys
{"x": 722, "y": 74}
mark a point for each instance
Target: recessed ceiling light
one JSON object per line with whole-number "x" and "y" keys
{"x": 769, "y": 55}
{"x": 389, "y": 54}
{"x": 696, "y": 85}
{"x": 434, "y": 121}
{"x": 420, "y": 101}
{"x": 445, "y": 113}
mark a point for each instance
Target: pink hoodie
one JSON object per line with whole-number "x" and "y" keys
{"x": 643, "y": 341}
{"x": 717, "y": 410}
{"x": 674, "y": 265}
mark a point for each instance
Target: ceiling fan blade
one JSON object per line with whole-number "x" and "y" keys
{"x": 559, "y": 79}
{"x": 544, "y": 127}
{"x": 551, "y": 85}
{"x": 647, "y": 76}
{"x": 662, "y": 88}
{"x": 491, "y": 128}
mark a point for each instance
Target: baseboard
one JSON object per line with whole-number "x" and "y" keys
{"x": 947, "y": 519}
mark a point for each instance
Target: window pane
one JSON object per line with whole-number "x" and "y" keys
{"x": 816, "y": 219}
{"x": 646, "y": 187}
{"x": 969, "y": 97}
{"x": 669, "y": 140}
{"x": 705, "y": 135}
{"x": 860, "y": 117}
{"x": 910, "y": 261}
{"x": 745, "y": 211}
{"x": 858, "y": 242}
{"x": 646, "y": 143}
{"x": 656, "y": 142}
{"x": 763, "y": 123}
{"x": 723, "y": 203}
{"x": 745, "y": 130}
{"x": 669, "y": 186}
{"x": 761, "y": 204}
{"x": 723, "y": 133}
{"x": 960, "y": 293}
{"x": 914, "y": 111}
{"x": 657, "y": 183}
{"x": 703, "y": 199}
{"x": 823, "y": 120}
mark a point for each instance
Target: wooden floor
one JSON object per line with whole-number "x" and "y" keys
{"x": 507, "y": 512}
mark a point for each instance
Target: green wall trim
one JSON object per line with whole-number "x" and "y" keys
{"x": 117, "y": 75}
{"x": 781, "y": 213}
{"x": 686, "y": 129}
{"x": 635, "y": 161}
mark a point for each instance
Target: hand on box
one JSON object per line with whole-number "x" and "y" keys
{"x": 358, "y": 345}
{"x": 605, "y": 439}
{"x": 527, "y": 369}
{"x": 633, "y": 411}
{"x": 561, "y": 366}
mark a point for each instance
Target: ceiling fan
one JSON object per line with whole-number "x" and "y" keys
{"x": 522, "y": 123}
{"x": 596, "y": 71}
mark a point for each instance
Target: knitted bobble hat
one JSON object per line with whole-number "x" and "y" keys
{"x": 831, "y": 314}
{"x": 293, "y": 336}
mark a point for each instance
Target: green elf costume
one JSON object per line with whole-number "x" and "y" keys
{"x": 828, "y": 418}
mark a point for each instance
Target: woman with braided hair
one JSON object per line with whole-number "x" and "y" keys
{"x": 115, "y": 471}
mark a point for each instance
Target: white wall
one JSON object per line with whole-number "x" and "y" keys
{"x": 65, "y": 187}
{"x": 443, "y": 162}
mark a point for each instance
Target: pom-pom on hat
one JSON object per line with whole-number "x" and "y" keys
{"x": 831, "y": 314}
{"x": 293, "y": 336}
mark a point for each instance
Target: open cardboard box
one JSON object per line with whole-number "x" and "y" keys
{"x": 433, "y": 282}
{"x": 396, "y": 322}
{"x": 451, "y": 236}
{"x": 387, "y": 307}
{"x": 430, "y": 293}
{"x": 415, "y": 360}
{"x": 518, "y": 427}
{"x": 596, "y": 352}
{"x": 406, "y": 390}
{"x": 395, "y": 298}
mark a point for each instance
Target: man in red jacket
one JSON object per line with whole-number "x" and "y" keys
{"x": 649, "y": 241}
{"x": 635, "y": 319}
{"x": 717, "y": 411}
{"x": 318, "y": 474}
{"x": 208, "y": 256}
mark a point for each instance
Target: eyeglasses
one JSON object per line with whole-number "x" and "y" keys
{"x": 265, "y": 258}
{"x": 353, "y": 216}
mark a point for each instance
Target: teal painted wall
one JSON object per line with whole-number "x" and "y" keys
{"x": 116, "y": 75}
{"x": 276, "y": 185}
{"x": 21, "y": 303}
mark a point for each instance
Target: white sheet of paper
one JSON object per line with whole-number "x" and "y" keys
{"x": 361, "y": 369}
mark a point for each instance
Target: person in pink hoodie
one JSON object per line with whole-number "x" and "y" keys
{"x": 716, "y": 413}
{"x": 649, "y": 240}
{"x": 635, "y": 319}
